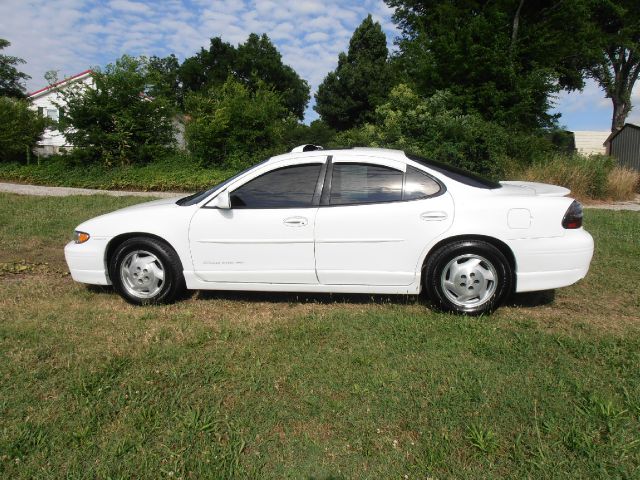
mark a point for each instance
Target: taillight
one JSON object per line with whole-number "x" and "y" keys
{"x": 573, "y": 217}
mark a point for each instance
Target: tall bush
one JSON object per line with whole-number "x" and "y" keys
{"x": 116, "y": 122}
{"x": 231, "y": 124}
{"x": 586, "y": 177}
{"x": 437, "y": 128}
{"x": 20, "y": 129}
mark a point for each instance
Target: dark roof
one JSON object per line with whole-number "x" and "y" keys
{"x": 614, "y": 134}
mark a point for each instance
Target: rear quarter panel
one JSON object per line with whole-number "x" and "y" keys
{"x": 519, "y": 221}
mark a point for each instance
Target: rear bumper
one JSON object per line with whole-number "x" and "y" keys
{"x": 547, "y": 263}
{"x": 86, "y": 261}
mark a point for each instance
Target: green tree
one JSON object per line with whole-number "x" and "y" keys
{"x": 317, "y": 133}
{"x": 116, "y": 122}
{"x": 254, "y": 62}
{"x": 20, "y": 129}
{"x": 231, "y": 124}
{"x": 258, "y": 61}
{"x": 616, "y": 31}
{"x": 504, "y": 58}
{"x": 11, "y": 79}
{"x": 349, "y": 95}
{"x": 208, "y": 67}
{"x": 162, "y": 78}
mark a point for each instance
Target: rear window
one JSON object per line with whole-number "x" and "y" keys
{"x": 455, "y": 173}
{"x": 419, "y": 185}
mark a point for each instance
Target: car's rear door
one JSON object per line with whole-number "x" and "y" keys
{"x": 375, "y": 219}
{"x": 267, "y": 235}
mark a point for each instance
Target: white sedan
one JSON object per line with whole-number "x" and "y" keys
{"x": 359, "y": 220}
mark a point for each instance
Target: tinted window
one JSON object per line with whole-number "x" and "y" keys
{"x": 458, "y": 174}
{"x": 287, "y": 187}
{"x": 418, "y": 184}
{"x": 199, "y": 196}
{"x": 359, "y": 183}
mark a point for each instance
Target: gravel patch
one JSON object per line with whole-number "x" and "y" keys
{"x": 40, "y": 190}
{"x": 633, "y": 205}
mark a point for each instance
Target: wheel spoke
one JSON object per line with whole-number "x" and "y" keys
{"x": 127, "y": 274}
{"x": 464, "y": 297}
{"x": 157, "y": 271}
{"x": 454, "y": 269}
{"x": 449, "y": 285}
{"x": 472, "y": 263}
{"x": 488, "y": 275}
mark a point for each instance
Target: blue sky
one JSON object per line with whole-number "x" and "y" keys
{"x": 73, "y": 35}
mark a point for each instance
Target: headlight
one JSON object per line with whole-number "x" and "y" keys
{"x": 80, "y": 237}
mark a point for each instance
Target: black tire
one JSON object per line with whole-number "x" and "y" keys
{"x": 164, "y": 259}
{"x": 492, "y": 277}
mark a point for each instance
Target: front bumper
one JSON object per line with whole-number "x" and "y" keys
{"x": 548, "y": 263}
{"x": 86, "y": 261}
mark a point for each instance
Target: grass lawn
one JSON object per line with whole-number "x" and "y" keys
{"x": 230, "y": 385}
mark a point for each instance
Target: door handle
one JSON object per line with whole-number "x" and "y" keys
{"x": 433, "y": 216}
{"x": 295, "y": 221}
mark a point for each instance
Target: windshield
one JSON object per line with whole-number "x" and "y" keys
{"x": 199, "y": 196}
{"x": 455, "y": 173}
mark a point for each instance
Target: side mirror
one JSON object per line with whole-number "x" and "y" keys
{"x": 222, "y": 200}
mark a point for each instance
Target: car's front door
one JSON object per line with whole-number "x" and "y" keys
{"x": 267, "y": 234}
{"x": 375, "y": 220}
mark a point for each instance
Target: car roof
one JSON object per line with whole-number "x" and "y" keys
{"x": 361, "y": 151}
{"x": 434, "y": 168}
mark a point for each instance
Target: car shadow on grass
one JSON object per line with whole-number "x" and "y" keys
{"x": 323, "y": 298}
{"x": 527, "y": 299}
{"x": 284, "y": 297}
{"x": 531, "y": 299}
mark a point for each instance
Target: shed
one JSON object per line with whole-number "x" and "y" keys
{"x": 624, "y": 145}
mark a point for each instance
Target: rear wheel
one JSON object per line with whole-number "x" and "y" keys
{"x": 146, "y": 271}
{"x": 469, "y": 276}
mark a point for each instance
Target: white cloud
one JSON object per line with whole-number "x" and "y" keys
{"x": 128, "y": 6}
{"x": 307, "y": 7}
{"x": 317, "y": 37}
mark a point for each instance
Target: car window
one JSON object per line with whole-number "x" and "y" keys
{"x": 418, "y": 185}
{"x": 353, "y": 183}
{"x": 457, "y": 174}
{"x": 288, "y": 187}
{"x": 199, "y": 196}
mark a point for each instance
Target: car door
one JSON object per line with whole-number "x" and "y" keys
{"x": 267, "y": 234}
{"x": 375, "y": 220}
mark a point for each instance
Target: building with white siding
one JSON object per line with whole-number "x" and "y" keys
{"x": 49, "y": 103}
{"x": 590, "y": 142}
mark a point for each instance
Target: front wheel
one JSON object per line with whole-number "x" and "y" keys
{"x": 146, "y": 271}
{"x": 469, "y": 276}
